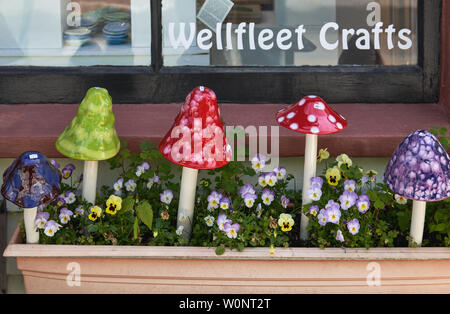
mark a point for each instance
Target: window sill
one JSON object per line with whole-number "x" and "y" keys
{"x": 374, "y": 130}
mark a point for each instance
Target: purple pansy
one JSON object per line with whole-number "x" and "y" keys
{"x": 363, "y": 203}
{"x": 67, "y": 171}
{"x": 284, "y": 201}
{"x": 348, "y": 199}
{"x": 64, "y": 215}
{"x": 41, "y": 219}
{"x": 353, "y": 226}
{"x": 340, "y": 236}
{"x": 222, "y": 220}
{"x": 232, "y": 230}
{"x": 246, "y": 189}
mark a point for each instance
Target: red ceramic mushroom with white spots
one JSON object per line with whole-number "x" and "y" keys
{"x": 311, "y": 116}
{"x": 196, "y": 141}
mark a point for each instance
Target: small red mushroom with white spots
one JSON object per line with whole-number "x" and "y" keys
{"x": 196, "y": 141}
{"x": 311, "y": 116}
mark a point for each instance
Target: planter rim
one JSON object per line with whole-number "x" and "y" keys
{"x": 16, "y": 248}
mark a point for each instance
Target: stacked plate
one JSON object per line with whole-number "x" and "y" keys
{"x": 116, "y": 33}
{"x": 90, "y": 21}
{"x": 77, "y": 36}
{"x": 117, "y": 17}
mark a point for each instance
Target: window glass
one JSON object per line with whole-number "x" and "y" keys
{"x": 289, "y": 32}
{"x": 74, "y": 33}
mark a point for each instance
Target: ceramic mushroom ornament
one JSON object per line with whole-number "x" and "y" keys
{"x": 311, "y": 116}
{"x": 196, "y": 141}
{"x": 419, "y": 170}
{"x": 91, "y": 137}
{"x": 29, "y": 182}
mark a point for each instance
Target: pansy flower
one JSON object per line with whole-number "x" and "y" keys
{"x": 333, "y": 176}
{"x": 372, "y": 175}
{"x": 333, "y": 215}
{"x": 322, "y": 217}
{"x": 165, "y": 215}
{"x": 113, "y": 204}
{"x": 363, "y": 203}
{"x": 350, "y": 185}
{"x": 222, "y": 220}
{"x": 51, "y": 227}
{"x": 284, "y": 201}
{"x": 249, "y": 199}
{"x": 259, "y": 162}
{"x": 64, "y": 215}
{"x": 258, "y": 210}
{"x": 286, "y": 222}
{"x": 209, "y": 220}
{"x": 67, "y": 171}
{"x": 340, "y": 236}
{"x": 225, "y": 203}
{"x": 69, "y": 197}
{"x": 348, "y": 199}
{"x": 353, "y": 226}
{"x": 41, "y": 219}
{"x": 60, "y": 200}
{"x": 267, "y": 197}
{"x": 118, "y": 185}
{"x": 183, "y": 216}
{"x": 150, "y": 183}
{"x": 262, "y": 180}
{"x": 214, "y": 200}
{"x": 271, "y": 179}
{"x": 246, "y": 189}
{"x": 166, "y": 196}
{"x": 179, "y": 231}
{"x": 315, "y": 194}
{"x": 95, "y": 212}
{"x": 232, "y": 230}
{"x": 280, "y": 172}
{"x": 344, "y": 160}
{"x": 400, "y": 199}
{"x": 323, "y": 154}
{"x": 316, "y": 182}
{"x": 79, "y": 210}
{"x": 130, "y": 185}
{"x": 314, "y": 210}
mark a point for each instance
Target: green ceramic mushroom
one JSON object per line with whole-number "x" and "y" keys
{"x": 91, "y": 137}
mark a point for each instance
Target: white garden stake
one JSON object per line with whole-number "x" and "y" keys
{"x": 31, "y": 181}
{"x": 419, "y": 170}
{"x": 196, "y": 141}
{"x": 311, "y": 116}
{"x": 91, "y": 137}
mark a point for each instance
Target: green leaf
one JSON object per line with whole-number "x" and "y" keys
{"x": 144, "y": 212}
{"x": 379, "y": 204}
{"x": 128, "y": 204}
{"x": 220, "y": 250}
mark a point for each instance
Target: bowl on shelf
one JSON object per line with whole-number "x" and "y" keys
{"x": 77, "y": 37}
{"x": 116, "y": 33}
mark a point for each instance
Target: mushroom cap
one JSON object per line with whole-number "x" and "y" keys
{"x": 91, "y": 134}
{"x": 420, "y": 168}
{"x": 311, "y": 115}
{"x": 31, "y": 181}
{"x": 197, "y": 139}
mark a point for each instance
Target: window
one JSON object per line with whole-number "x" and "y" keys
{"x": 74, "y": 33}
{"x": 248, "y": 51}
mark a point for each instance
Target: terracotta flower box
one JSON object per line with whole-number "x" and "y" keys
{"x": 126, "y": 269}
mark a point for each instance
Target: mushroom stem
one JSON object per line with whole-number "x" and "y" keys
{"x": 187, "y": 199}
{"x": 418, "y": 221}
{"x": 308, "y": 173}
{"x": 90, "y": 181}
{"x": 29, "y": 217}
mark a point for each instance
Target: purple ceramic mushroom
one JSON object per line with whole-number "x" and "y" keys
{"x": 419, "y": 170}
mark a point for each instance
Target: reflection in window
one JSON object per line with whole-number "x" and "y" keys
{"x": 74, "y": 33}
{"x": 289, "y": 32}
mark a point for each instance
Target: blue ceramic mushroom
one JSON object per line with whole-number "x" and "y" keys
{"x": 29, "y": 182}
{"x": 419, "y": 170}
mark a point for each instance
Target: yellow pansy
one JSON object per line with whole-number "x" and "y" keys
{"x": 113, "y": 204}
{"x": 323, "y": 155}
{"x": 95, "y": 213}
{"x": 344, "y": 160}
{"x": 286, "y": 222}
{"x": 333, "y": 176}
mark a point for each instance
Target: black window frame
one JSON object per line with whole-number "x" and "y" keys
{"x": 159, "y": 84}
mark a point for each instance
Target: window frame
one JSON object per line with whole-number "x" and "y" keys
{"x": 159, "y": 84}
